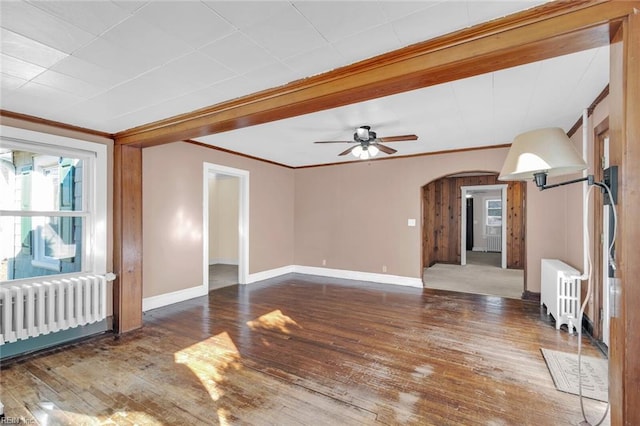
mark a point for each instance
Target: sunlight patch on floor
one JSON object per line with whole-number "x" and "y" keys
{"x": 274, "y": 320}
{"x": 211, "y": 360}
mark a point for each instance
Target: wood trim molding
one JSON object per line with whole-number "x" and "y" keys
{"x": 43, "y": 121}
{"x": 549, "y": 30}
{"x": 423, "y": 154}
{"x": 592, "y": 107}
{"x": 228, "y": 151}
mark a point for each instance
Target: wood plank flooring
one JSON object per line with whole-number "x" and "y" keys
{"x": 311, "y": 351}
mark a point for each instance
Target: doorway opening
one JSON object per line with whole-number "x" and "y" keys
{"x": 473, "y": 235}
{"x": 225, "y": 226}
{"x": 483, "y": 214}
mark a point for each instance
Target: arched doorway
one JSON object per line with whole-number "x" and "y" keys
{"x": 442, "y": 229}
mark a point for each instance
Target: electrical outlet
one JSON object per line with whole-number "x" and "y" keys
{"x": 324, "y": 262}
{"x": 384, "y": 268}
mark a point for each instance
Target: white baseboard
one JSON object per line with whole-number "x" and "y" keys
{"x": 360, "y": 276}
{"x": 337, "y": 273}
{"x": 161, "y": 300}
{"x": 479, "y": 249}
{"x": 270, "y": 273}
{"x": 223, "y": 261}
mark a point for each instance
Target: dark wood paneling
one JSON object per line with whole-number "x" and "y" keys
{"x": 624, "y": 132}
{"x": 127, "y": 221}
{"x": 309, "y": 351}
{"x": 442, "y": 218}
{"x": 516, "y": 225}
{"x": 540, "y": 33}
{"x": 429, "y": 229}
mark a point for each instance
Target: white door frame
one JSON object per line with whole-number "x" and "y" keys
{"x": 463, "y": 221}
{"x": 243, "y": 220}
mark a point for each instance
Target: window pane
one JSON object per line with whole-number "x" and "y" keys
{"x": 494, "y": 204}
{"x": 38, "y": 246}
{"x": 32, "y": 181}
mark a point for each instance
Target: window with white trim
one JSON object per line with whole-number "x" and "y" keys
{"x": 52, "y": 204}
{"x": 493, "y": 212}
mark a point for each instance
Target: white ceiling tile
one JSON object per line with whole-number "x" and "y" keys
{"x": 315, "y": 61}
{"x": 29, "y": 50}
{"x": 474, "y": 94}
{"x": 89, "y": 72}
{"x": 96, "y": 113}
{"x": 513, "y": 89}
{"x": 243, "y": 14}
{"x": 94, "y": 17}
{"x": 286, "y": 34}
{"x": 233, "y": 88}
{"x": 195, "y": 69}
{"x": 272, "y": 75}
{"x": 238, "y": 53}
{"x": 34, "y": 23}
{"x": 369, "y": 43}
{"x": 595, "y": 74}
{"x": 18, "y": 68}
{"x": 150, "y": 70}
{"x": 10, "y": 82}
{"x": 482, "y": 11}
{"x": 432, "y": 22}
{"x": 192, "y": 22}
{"x": 336, "y": 20}
{"x": 138, "y": 35}
{"x": 67, "y": 83}
{"x": 171, "y": 107}
{"x": 399, "y": 9}
{"x": 38, "y": 98}
{"x": 122, "y": 60}
{"x": 130, "y": 5}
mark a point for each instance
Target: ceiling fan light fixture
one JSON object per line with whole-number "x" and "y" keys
{"x": 363, "y": 133}
{"x": 357, "y": 151}
{"x": 365, "y": 154}
{"x": 373, "y": 150}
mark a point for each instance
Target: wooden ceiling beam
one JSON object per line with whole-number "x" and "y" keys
{"x": 547, "y": 31}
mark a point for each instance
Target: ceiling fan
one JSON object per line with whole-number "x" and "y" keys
{"x": 368, "y": 144}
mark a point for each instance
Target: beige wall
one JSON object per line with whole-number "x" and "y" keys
{"x": 53, "y": 130}
{"x": 559, "y": 218}
{"x": 354, "y": 216}
{"x": 172, "y": 215}
{"x": 223, "y": 219}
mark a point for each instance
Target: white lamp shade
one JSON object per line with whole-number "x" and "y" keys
{"x": 544, "y": 150}
{"x": 373, "y": 150}
{"x": 365, "y": 154}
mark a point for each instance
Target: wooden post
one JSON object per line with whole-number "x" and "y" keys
{"x": 127, "y": 221}
{"x": 624, "y": 370}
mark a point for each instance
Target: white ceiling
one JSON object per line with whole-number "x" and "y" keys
{"x": 114, "y": 65}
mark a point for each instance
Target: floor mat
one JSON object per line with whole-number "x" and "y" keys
{"x": 563, "y": 367}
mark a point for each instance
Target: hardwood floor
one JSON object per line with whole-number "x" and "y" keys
{"x": 313, "y": 351}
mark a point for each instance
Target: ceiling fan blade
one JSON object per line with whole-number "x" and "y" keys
{"x": 334, "y": 142}
{"x": 398, "y": 138}
{"x": 348, "y": 151}
{"x": 386, "y": 149}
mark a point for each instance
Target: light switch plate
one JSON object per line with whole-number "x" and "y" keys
{"x": 411, "y": 222}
